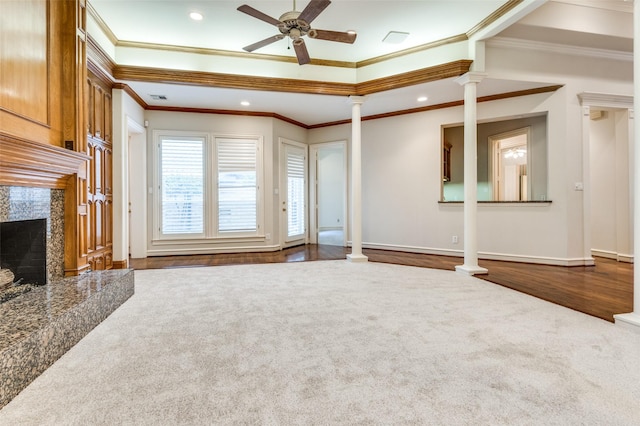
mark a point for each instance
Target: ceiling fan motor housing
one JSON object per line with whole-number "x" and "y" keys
{"x": 292, "y": 26}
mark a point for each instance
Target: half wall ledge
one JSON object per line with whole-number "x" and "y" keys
{"x": 629, "y": 321}
{"x": 38, "y": 327}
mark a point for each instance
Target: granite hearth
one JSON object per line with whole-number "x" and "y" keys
{"x": 38, "y": 327}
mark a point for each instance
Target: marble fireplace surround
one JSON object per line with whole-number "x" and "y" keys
{"x": 38, "y": 327}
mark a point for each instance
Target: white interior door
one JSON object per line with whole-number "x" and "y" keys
{"x": 294, "y": 201}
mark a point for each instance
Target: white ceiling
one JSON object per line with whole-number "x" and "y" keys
{"x": 225, "y": 28}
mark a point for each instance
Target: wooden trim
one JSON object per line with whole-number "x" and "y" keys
{"x": 120, "y": 264}
{"x": 98, "y": 61}
{"x": 103, "y": 26}
{"x": 230, "y": 53}
{"x": 500, "y": 12}
{"x": 28, "y": 163}
{"x": 450, "y": 40}
{"x": 231, "y": 81}
{"x": 228, "y": 112}
{"x": 451, "y": 104}
{"x": 128, "y": 90}
{"x": 518, "y": 93}
{"x": 411, "y": 78}
{"x": 200, "y": 78}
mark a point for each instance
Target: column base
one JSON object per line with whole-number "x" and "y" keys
{"x": 357, "y": 258}
{"x": 629, "y": 321}
{"x": 471, "y": 269}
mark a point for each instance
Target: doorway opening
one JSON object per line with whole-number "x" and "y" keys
{"x": 329, "y": 193}
{"x": 510, "y": 163}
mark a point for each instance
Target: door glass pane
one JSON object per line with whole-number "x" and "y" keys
{"x": 295, "y": 193}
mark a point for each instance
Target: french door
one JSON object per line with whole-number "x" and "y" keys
{"x": 294, "y": 201}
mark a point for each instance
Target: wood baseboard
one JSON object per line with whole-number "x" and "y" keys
{"x": 120, "y": 264}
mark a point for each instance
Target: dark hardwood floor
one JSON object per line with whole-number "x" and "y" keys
{"x": 601, "y": 290}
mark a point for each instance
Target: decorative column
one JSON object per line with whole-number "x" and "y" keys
{"x": 470, "y": 267}
{"x": 632, "y": 320}
{"x": 356, "y": 182}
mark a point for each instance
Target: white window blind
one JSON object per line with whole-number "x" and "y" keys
{"x": 295, "y": 193}
{"x": 237, "y": 184}
{"x": 182, "y": 186}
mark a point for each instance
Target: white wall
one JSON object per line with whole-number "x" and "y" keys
{"x": 401, "y": 186}
{"x": 330, "y": 188}
{"x": 603, "y": 186}
{"x": 610, "y": 207}
{"x": 125, "y": 109}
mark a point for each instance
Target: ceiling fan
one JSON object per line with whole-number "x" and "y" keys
{"x": 296, "y": 25}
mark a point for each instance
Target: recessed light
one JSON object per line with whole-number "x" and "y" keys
{"x": 245, "y": 103}
{"x": 422, "y": 99}
{"x": 196, "y": 16}
{"x": 395, "y": 37}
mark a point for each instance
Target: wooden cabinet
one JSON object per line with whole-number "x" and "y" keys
{"x": 100, "y": 179}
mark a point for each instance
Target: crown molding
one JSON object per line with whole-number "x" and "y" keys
{"x": 607, "y": 100}
{"x": 98, "y": 61}
{"x": 499, "y": 13}
{"x": 128, "y": 90}
{"x": 378, "y": 59}
{"x": 228, "y": 112}
{"x": 229, "y": 53}
{"x": 451, "y": 104}
{"x": 231, "y": 81}
{"x": 101, "y": 24}
{"x": 411, "y": 78}
{"x": 562, "y": 49}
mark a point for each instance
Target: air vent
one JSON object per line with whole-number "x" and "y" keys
{"x": 158, "y": 97}
{"x": 395, "y": 37}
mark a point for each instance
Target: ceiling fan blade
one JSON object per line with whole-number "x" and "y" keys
{"x": 342, "y": 37}
{"x": 263, "y": 43}
{"x": 301, "y": 52}
{"x": 257, "y": 14}
{"x": 313, "y": 9}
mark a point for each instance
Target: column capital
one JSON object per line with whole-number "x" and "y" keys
{"x": 356, "y": 99}
{"x": 471, "y": 77}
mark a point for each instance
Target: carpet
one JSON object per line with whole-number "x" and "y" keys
{"x": 336, "y": 343}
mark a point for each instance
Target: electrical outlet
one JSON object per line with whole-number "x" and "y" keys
{"x": 454, "y": 239}
{"x": 267, "y": 237}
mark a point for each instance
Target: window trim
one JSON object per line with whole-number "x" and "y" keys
{"x": 211, "y": 235}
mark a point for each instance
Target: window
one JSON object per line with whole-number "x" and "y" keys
{"x": 182, "y": 185}
{"x": 237, "y": 185}
{"x": 208, "y": 187}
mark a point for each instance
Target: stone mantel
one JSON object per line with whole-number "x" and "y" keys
{"x": 28, "y": 163}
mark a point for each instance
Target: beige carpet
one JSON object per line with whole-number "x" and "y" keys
{"x": 323, "y": 343}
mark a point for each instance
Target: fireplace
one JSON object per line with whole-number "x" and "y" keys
{"x": 23, "y": 250}
{"x": 23, "y": 208}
